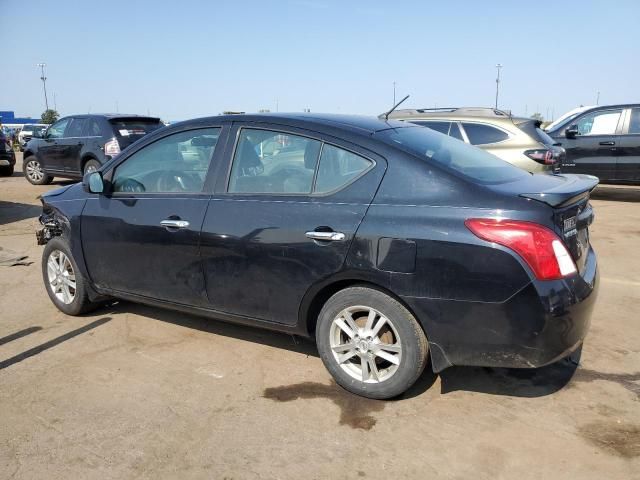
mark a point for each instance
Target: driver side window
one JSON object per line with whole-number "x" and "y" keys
{"x": 174, "y": 164}
{"x": 57, "y": 129}
{"x": 599, "y": 123}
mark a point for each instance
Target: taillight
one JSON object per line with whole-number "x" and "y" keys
{"x": 542, "y": 156}
{"x": 539, "y": 246}
{"x": 112, "y": 147}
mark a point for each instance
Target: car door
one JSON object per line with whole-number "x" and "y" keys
{"x": 594, "y": 149}
{"x": 283, "y": 219}
{"x": 71, "y": 144}
{"x": 628, "y": 163}
{"x": 142, "y": 237}
{"x": 50, "y": 149}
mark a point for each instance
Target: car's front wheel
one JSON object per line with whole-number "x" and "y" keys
{"x": 370, "y": 343}
{"x": 34, "y": 173}
{"x": 65, "y": 284}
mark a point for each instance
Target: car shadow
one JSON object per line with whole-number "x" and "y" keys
{"x": 513, "y": 382}
{"x": 617, "y": 193}
{"x": 262, "y": 336}
{"x": 13, "y": 212}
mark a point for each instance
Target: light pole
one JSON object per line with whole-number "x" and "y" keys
{"x": 598, "y": 98}
{"x": 44, "y": 84}
{"x": 498, "y": 66}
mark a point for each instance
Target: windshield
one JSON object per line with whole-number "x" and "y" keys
{"x": 453, "y": 155}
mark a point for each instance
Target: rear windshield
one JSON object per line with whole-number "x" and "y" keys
{"x": 456, "y": 156}
{"x": 134, "y": 126}
{"x": 534, "y": 131}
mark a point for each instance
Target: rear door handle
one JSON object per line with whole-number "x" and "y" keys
{"x": 608, "y": 143}
{"x": 326, "y": 236}
{"x": 174, "y": 223}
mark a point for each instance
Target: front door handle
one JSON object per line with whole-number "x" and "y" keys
{"x": 326, "y": 236}
{"x": 609, "y": 143}
{"x": 174, "y": 223}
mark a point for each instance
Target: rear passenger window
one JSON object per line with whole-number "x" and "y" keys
{"x": 442, "y": 127}
{"x": 76, "y": 127}
{"x": 455, "y": 132}
{"x": 93, "y": 129}
{"x": 337, "y": 168}
{"x": 479, "y": 134}
{"x": 634, "y": 122}
{"x": 273, "y": 162}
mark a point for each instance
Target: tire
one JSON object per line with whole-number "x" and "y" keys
{"x": 33, "y": 171}
{"x": 90, "y": 165}
{"x": 75, "y": 300}
{"x": 405, "y": 342}
{"x": 6, "y": 171}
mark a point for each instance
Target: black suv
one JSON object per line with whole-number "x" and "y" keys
{"x": 79, "y": 144}
{"x": 603, "y": 141}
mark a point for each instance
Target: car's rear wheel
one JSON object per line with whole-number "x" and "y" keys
{"x": 370, "y": 343}
{"x": 34, "y": 173}
{"x": 65, "y": 284}
{"x": 91, "y": 166}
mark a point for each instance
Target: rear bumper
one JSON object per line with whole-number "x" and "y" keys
{"x": 540, "y": 324}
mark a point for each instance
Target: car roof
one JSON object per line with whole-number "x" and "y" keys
{"x": 355, "y": 123}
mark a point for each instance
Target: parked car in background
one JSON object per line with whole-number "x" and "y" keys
{"x": 7, "y": 156}
{"x": 603, "y": 141}
{"x": 520, "y": 141}
{"x": 382, "y": 239}
{"x": 28, "y": 132}
{"x": 79, "y": 144}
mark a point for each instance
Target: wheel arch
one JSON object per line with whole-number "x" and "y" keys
{"x": 85, "y": 158}
{"x": 316, "y": 297}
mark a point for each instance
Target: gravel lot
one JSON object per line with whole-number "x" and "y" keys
{"x": 137, "y": 392}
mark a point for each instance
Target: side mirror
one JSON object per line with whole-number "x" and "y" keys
{"x": 571, "y": 131}
{"x": 92, "y": 182}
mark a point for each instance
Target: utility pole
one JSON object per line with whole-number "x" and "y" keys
{"x": 44, "y": 83}
{"x": 394, "y": 93}
{"x": 55, "y": 105}
{"x": 598, "y": 98}
{"x": 498, "y": 67}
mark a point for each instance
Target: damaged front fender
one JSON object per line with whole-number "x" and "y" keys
{"x": 51, "y": 228}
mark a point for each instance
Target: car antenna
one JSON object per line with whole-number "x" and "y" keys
{"x": 386, "y": 115}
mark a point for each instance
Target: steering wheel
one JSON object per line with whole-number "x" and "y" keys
{"x": 130, "y": 185}
{"x": 176, "y": 181}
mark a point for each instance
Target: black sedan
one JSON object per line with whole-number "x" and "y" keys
{"x": 389, "y": 243}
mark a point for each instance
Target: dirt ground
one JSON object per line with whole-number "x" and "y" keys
{"x": 137, "y": 392}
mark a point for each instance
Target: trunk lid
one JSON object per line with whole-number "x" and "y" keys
{"x": 568, "y": 196}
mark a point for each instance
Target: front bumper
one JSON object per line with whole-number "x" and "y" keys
{"x": 540, "y": 324}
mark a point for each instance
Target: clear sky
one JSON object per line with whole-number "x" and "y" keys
{"x": 183, "y": 59}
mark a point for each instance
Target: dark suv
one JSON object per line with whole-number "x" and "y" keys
{"x": 79, "y": 144}
{"x": 603, "y": 141}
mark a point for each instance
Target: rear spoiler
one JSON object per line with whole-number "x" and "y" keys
{"x": 572, "y": 191}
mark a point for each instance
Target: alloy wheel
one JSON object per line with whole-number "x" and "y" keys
{"x": 34, "y": 171}
{"x": 365, "y": 344}
{"x": 62, "y": 278}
